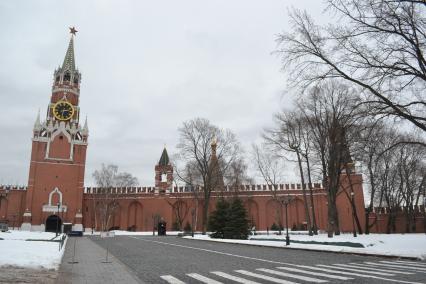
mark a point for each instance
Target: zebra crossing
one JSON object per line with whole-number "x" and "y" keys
{"x": 386, "y": 271}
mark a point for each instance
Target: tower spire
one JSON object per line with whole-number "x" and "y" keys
{"x": 164, "y": 159}
{"x": 69, "y": 61}
{"x": 37, "y": 124}
{"x": 85, "y": 128}
{"x": 214, "y": 146}
{"x": 214, "y": 168}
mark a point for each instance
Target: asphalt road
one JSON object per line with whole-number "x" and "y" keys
{"x": 177, "y": 260}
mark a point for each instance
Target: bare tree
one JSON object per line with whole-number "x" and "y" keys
{"x": 236, "y": 175}
{"x": 270, "y": 167}
{"x": 396, "y": 176}
{"x": 332, "y": 112}
{"x": 180, "y": 210}
{"x": 376, "y": 138}
{"x": 192, "y": 180}
{"x": 108, "y": 179}
{"x": 210, "y": 150}
{"x": 288, "y": 136}
{"x": 378, "y": 47}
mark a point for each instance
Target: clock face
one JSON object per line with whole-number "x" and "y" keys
{"x": 63, "y": 110}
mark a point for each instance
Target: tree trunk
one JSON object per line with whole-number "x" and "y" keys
{"x": 305, "y": 199}
{"x": 314, "y": 219}
{"x": 367, "y": 220}
{"x": 369, "y": 209}
{"x": 333, "y": 222}
{"x": 391, "y": 222}
{"x": 205, "y": 217}
{"x": 352, "y": 201}
{"x": 331, "y": 216}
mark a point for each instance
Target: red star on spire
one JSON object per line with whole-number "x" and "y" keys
{"x": 73, "y": 31}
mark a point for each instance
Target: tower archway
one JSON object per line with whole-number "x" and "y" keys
{"x": 53, "y": 223}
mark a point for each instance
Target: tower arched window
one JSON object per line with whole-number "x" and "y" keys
{"x": 58, "y": 78}
{"x": 163, "y": 177}
{"x": 75, "y": 79}
{"x": 67, "y": 77}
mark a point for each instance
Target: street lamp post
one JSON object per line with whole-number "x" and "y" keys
{"x": 353, "y": 214}
{"x": 57, "y": 220}
{"x": 62, "y": 217}
{"x": 287, "y": 237}
{"x": 286, "y": 201}
{"x": 192, "y": 222}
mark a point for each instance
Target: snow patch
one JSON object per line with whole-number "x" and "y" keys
{"x": 39, "y": 253}
{"x": 127, "y": 233}
{"x": 402, "y": 245}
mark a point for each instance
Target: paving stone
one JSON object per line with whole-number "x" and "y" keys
{"x": 90, "y": 267}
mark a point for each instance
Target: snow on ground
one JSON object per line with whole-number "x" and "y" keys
{"x": 127, "y": 233}
{"x": 403, "y": 245}
{"x": 15, "y": 250}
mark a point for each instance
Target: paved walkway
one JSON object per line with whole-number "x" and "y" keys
{"x": 90, "y": 268}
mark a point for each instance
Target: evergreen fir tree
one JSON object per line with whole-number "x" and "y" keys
{"x": 274, "y": 227}
{"x": 238, "y": 225}
{"x": 219, "y": 218}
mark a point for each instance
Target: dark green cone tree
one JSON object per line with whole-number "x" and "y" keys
{"x": 229, "y": 221}
{"x": 238, "y": 225}
{"x": 218, "y": 219}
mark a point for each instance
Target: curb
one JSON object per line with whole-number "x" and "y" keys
{"x": 317, "y": 250}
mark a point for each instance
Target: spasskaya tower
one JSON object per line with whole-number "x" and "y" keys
{"x": 58, "y": 155}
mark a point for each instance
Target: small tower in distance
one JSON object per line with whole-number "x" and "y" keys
{"x": 215, "y": 171}
{"x": 163, "y": 174}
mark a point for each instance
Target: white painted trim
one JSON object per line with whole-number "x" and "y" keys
{"x": 55, "y": 190}
{"x": 61, "y": 129}
{"x": 37, "y": 162}
{"x": 26, "y": 227}
{"x": 69, "y": 90}
{"x": 54, "y": 209}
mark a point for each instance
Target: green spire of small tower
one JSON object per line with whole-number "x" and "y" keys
{"x": 164, "y": 160}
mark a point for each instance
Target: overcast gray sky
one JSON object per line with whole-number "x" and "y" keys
{"x": 146, "y": 67}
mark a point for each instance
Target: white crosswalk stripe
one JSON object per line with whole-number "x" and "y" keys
{"x": 357, "y": 274}
{"x": 314, "y": 273}
{"x": 421, "y": 264}
{"x": 172, "y": 280}
{"x": 380, "y": 270}
{"x": 357, "y": 270}
{"x": 375, "y": 268}
{"x": 289, "y": 275}
{"x": 264, "y": 277}
{"x": 203, "y": 278}
{"x": 332, "y": 271}
{"x": 395, "y": 266}
{"x": 404, "y": 265}
{"x": 234, "y": 278}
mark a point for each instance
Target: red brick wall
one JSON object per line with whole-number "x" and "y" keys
{"x": 137, "y": 210}
{"x": 262, "y": 209}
